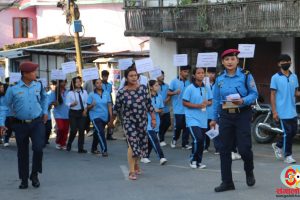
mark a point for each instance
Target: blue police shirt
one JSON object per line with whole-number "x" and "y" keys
{"x": 285, "y": 87}
{"x": 231, "y": 84}
{"x": 177, "y": 99}
{"x": 107, "y": 87}
{"x": 60, "y": 111}
{"x": 196, "y": 95}
{"x": 26, "y": 102}
{"x": 164, "y": 88}
{"x": 100, "y": 110}
{"x": 157, "y": 103}
{"x": 210, "y": 109}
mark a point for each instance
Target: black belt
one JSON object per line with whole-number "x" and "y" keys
{"x": 27, "y": 121}
{"x": 237, "y": 110}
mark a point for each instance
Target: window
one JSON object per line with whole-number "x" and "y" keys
{"x": 22, "y": 27}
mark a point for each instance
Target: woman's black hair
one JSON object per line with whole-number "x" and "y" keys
{"x": 72, "y": 85}
{"x": 127, "y": 71}
{"x": 95, "y": 80}
{"x": 193, "y": 79}
{"x": 151, "y": 83}
{"x": 58, "y": 92}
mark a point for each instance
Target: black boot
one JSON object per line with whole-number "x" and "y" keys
{"x": 250, "y": 179}
{"x": 35, "y": 180}
{"x": 225, "y": 187}
{"x": 24, "y": 184}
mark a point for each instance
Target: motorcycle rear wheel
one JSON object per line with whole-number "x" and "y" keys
{"x": 259, "y": 135}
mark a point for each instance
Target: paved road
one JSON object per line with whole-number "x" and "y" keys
{"x": 73, "y": 176}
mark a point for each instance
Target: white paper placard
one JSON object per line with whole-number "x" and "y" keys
{"x": 124, "y": 63}
{"x": 44, "y": 81}
{"x": 155, "y": 73}
{"x": 14, "y": 77}
{"x": 212, "y": 133}
{"x": 144, "y": 65}
{"x": 90, "y": 74}
{"x": 2, "y": 72}
{"x": 57, "y": 75}
{"x": 207, "y": 59}
{"x": 246, "y": 50}
{"x": 180, "y": 60}
{"x": 68, "y": 67}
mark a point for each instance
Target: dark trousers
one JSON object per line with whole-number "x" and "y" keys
{"x": 99, "y": 135}
{"x": 36, "y": 132}
{"x": 77, "y": 124}
{"x": 165, "y": 123}
{"x": 48, "y": 128}
{"x": 290, "y": 130}
{"x": 198, "y": 136}
{"x": 236, "y": 126}
{"x": 8, "y": 132}
{"x": 179, "y": 126}
{"x": 153, "y": 142}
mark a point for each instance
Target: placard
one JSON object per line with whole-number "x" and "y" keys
{"x": 90, "y": 74}
{"x": 125, "y": 63}
{"x": 14, "y": 77}
{"x": 2, "y": 72}
{"x": 180, "y": 60}
{"x": 155, "y": 73}
{"x": 69, "y": 67}
{"x": 144, "y": 65}
{"x": 57, "y": 75}
{"x": 246, "y": 50}
{"x": 44, "y": 81}
{"x": 207, "y": 59}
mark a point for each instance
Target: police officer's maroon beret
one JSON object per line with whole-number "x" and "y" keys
{"x": 231, "y": 52}
{"x": 28, "y": 66}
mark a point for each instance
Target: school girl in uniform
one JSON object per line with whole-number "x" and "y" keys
{"x": 196, "y": 98}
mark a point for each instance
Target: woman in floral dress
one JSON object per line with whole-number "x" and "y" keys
{"x": 134, "y": 102}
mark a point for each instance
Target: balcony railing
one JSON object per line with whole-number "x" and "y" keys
{"x": 252, "y": 19}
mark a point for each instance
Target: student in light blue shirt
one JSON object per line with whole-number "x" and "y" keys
{"x": 153, "y": 138}
{"x": 165, "y": 116}
{"x": 196, "y": 98}
{"x": 284, "y": 86}
{"x": 100, "y": 111}
{"x": 176, "y": 90}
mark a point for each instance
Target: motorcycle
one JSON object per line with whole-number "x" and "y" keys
{"x": 264, "y": 128}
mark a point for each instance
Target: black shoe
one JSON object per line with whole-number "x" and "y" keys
{"x": 35, "y": 180}
{"x": 82, "y": 151}
{"x": 95, "y": 152}
{"x": 225, "y": 187}
{"x": 250, "y": 179}
{"x": 111, "y": 138}
{"x": 104, "y": 154}
{"x": 68, "y": 147}
{"x": 24, "y": 184}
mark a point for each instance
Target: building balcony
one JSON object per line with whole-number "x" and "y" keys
{"x": 215, "y": 20}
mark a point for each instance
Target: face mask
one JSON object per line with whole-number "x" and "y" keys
{"x": 285, "y": 66}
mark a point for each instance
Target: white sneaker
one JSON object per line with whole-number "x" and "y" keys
{"x": 277, "y": 151}
{"x": 235, "y": 156}
{"x": 201, "y": 166}
{"x": 6, "y": 144}
{"x": 217, "y": 153}
{"x": 163, "y": 161}
{"x": 289, "y": 159}
{"x": 193, "y": 165}
{"x": 187, "y": 147}
{"x": 163, "y": 143}
{"x": 205, "y": 151}
{"x": 173, "y": 144}
{"x": 145, "y": 160}
{"x": 58, "y": 146}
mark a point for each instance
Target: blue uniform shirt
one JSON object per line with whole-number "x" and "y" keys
{"x": 164, "y": 94}
{"x": 210, "y": 109}
{"x": 26, "y": 102}
{"x": 226, "y": 85}
{"x": 196, "y": 95}
{"x": 61, "y": 111}
{"x": 157, "y": 103}
{"x": 107, "y": 87}
{"x": 177, "y": 99}
{"x": 100, "y": 110}
{"x": 285, "y": 94}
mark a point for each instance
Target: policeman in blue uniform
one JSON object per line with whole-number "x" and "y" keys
{"x": 28, "y": 101}
{"x": 234, "y": 92}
